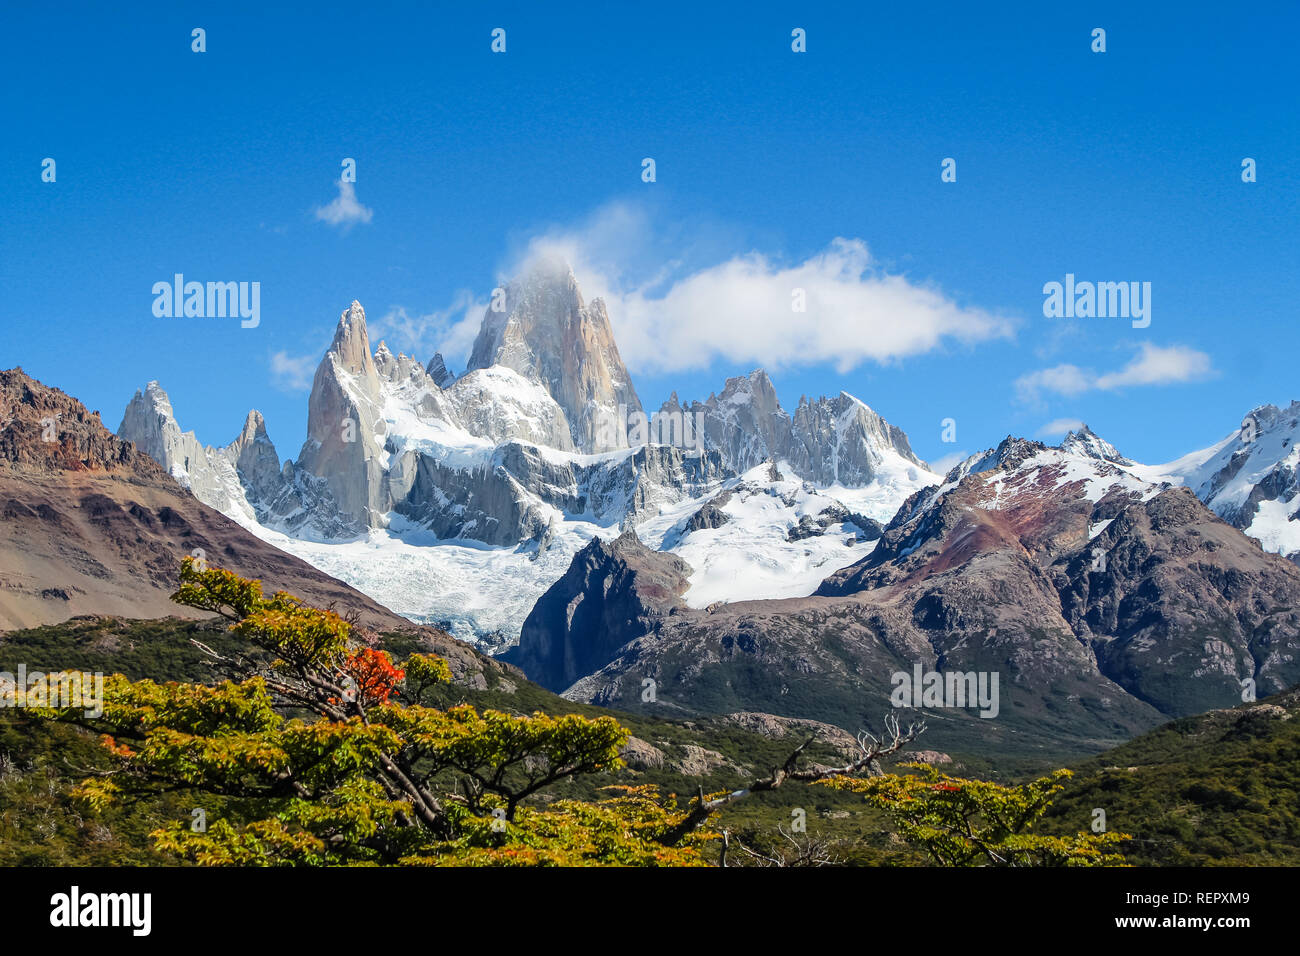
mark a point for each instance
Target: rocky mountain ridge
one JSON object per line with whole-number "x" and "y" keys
{"x": 1105, "y": 603}
{"x": 94, "y": 525}
{"x": 516, "y": 453}
{"x": 506, "y": 471}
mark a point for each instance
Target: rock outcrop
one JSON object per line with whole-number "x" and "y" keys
{"x": 345, "y": 426}
{"x": 613, "y": 593}
{"x": 549, "y": 335}
{"x": 437, "y": 370}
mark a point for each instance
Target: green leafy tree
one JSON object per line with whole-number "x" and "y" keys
{"x": 322, "y": 752}
{"x": 980, "y": 823}
{"x": 319, "y": 749}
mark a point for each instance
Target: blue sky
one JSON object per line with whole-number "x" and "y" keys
{"x": 1121, "y": 166}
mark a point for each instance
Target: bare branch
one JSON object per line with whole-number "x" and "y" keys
{"x": 873, "y": 748}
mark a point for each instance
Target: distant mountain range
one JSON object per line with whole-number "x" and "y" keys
{"x": 739, "y": 557}
{"x": 459, "y": 499}
{"x": 414, "y": 481}
{"x": 1106, "y": 604}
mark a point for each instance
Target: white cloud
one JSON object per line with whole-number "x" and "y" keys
{"x": 741, "y": 310}
{"x": 678, "y": 299}
{"x": 1153, "y": 365}
{"x": 1063, "y": 379}
{"x": 293, "y": 373}
{"x": 1160, "y": 366}
{"x": 450, "y": 331}
{"x": 344, "y": 210}
{"x": 1058, "y": 427}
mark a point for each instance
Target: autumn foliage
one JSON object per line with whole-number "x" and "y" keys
{"x": 324, "y": 751}
{"x": 980, "y": 823}
{"x": 316, "y": 748}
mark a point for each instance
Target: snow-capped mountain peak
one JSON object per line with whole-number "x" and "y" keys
{"x": 351, "y": 345}
{"x": 1086, "y": 442}
{"x": 1250, "y": 478}
{"x": 1074, "y": 469}
{"x": 548, "y": 334}
{"x": 411, "y": 478}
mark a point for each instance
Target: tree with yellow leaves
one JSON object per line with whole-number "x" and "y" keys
{"x": 326, "y": 754}
{"x": 324, "y": 751}
{"x": 980, "y": 823}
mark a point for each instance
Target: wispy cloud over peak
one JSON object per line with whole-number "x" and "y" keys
{"x": 293, "y": 373}
{"x": 1059, "y": 427}
{"x": 837, "y": 305}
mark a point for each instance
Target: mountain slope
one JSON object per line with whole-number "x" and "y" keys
{"x": 1251, "y": 479}
{"x": 1102, "y": 602}
{"x": 1218, "y": 788}
{"x": 42, "y": 824}
{"x": 93, "y": 525}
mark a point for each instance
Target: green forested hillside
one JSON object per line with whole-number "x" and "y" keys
{"x": 41, "y": 824}
{"x": 1220, "y": 788}
{"x": 1223, "y": 787}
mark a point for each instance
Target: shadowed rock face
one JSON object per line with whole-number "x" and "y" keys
{"x": 710, "y": 514}
{"x": 1105, "y": 605}
{"x": 437, "y": 370}
{"x": 548, "y": 334}
{"x": 613, "y": 592}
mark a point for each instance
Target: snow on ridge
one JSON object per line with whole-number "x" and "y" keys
{"x": 751, "y": 557}
{"x": 1004, "y": 475}
{"x": 1231, "y": 476}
